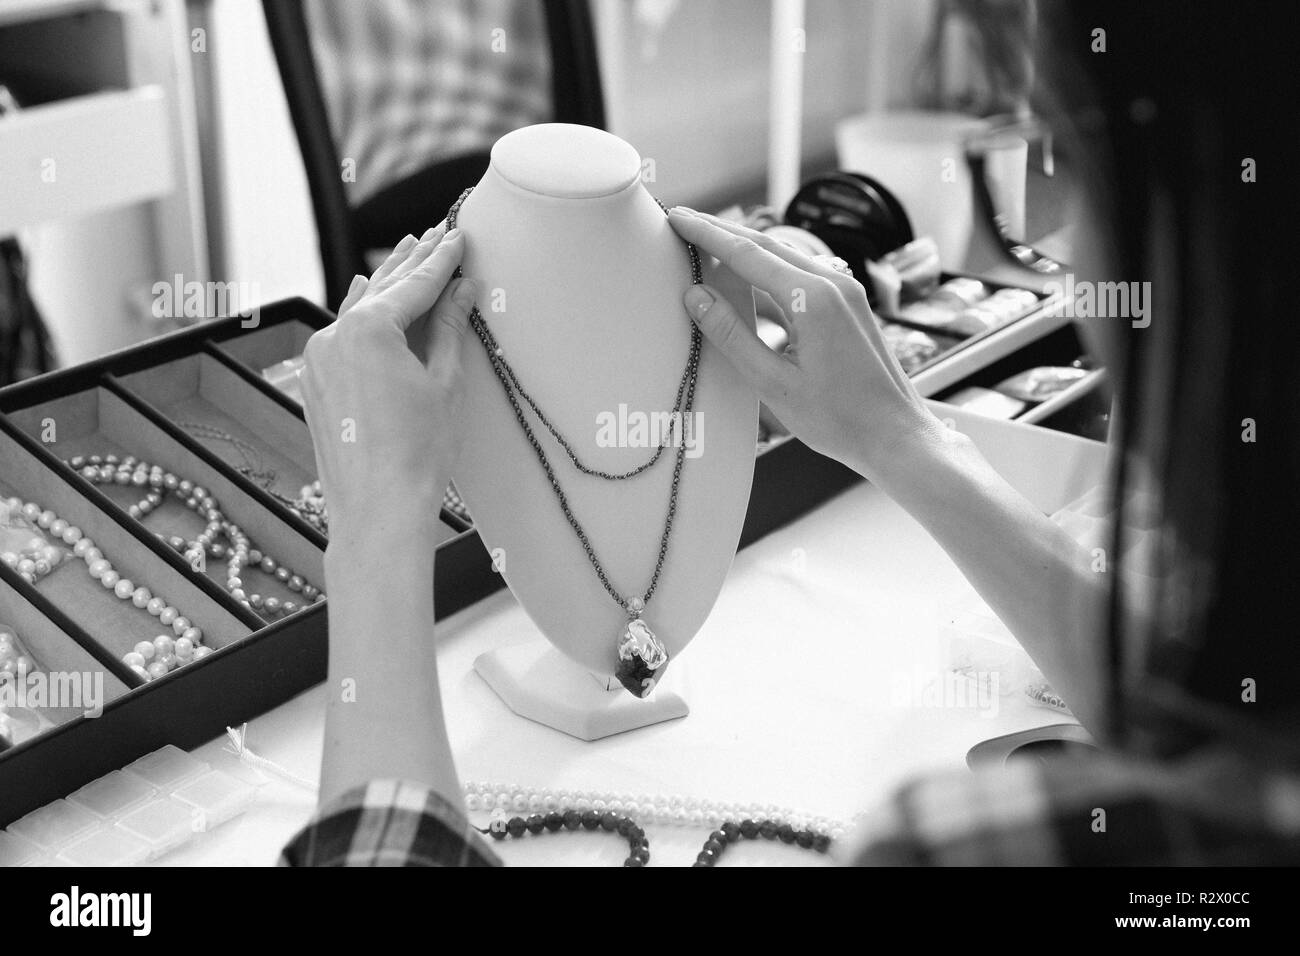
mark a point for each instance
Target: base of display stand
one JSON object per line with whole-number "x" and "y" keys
{"x": 538, "y": 682}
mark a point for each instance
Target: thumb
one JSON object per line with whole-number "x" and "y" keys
{"x": 735, "y": 338}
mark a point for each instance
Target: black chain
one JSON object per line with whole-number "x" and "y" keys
{"x": 684, "y": 405}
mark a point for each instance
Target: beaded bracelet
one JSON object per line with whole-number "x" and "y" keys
{"x": 611, "y": 822}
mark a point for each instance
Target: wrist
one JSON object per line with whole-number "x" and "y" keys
{"x": 914, "y": 459}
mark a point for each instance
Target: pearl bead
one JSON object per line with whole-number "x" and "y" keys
{"x": 124, "y": 589}
{"x": 92, "y": 555}
{"x": 46, "y": 518}
{"x": 157, "y": 669}
{"x": 282, "y": 575}
{"x": 9, "y": 558}
{"x": 72, "y": 535}
{"x": 168, "y": 661}
{"x": 268, "y": 564}
{"x": 26, "y": 566}
{"x": 184, "y": 649}
{"x": 133, "y": 659}
{"x": 57, "y": 527}
{"x": 146, "y": 650}
{"x": 194, "y": 635}
{"x": 272, "y": 605}
{"x": 156, "y": 606}
{"x": 180, "y": 625}
{"x": 164, "y": 644}
{"x": 471, "y": 801}
{"x": 168, "y": 615}
{"x": 289, "y": 607}
{"x": 110, "y": 578}
{"x": 201, "y": 652}
{"x": 140, "y": 597}
{"x": 238, "y": 594}
{"x": 98, "y": 568}
{"x": 31, "y": 512}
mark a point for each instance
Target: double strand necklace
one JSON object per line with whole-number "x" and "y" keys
{"x": 641, "y": 655}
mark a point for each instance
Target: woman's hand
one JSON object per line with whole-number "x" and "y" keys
{"x": 837, "y": 387}
{"x": 386, "y": 420}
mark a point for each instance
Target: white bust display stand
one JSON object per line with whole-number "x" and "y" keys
{"x": 581, "y": 280}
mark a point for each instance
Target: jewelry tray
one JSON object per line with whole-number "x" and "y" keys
{"x": 143, "y": 401}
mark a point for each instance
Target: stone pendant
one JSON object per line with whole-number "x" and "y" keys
{"x": 641, "y": 658}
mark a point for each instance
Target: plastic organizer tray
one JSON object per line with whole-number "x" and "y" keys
{"x": 130, "y": 816}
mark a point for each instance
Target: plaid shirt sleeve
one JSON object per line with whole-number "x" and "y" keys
{"x": 389, "y": 823}
{"x": 1105, "y": 811}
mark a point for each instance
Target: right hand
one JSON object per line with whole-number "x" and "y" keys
{"x": 837, "y": 387}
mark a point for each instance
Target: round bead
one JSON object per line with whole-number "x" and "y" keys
{"x": 9, "y": 558}
{"x": 146, "y": 650}
{"x": 194, "y": 635}
{"x": 554, "y": 820}
{"x": 156, "y": 606}
{"x": 295, "y": 583}
{"x": 268, "y": 564}
{"x": 141, "y": 672}
{"x": 98, "y": 568}
{"x": 166, "y": 660}
{"x": 767, "y": 830}
{"x": 57, "y": 527}
{"x": 201, "y": 652}
{"x": 180, "y": 625}
{"x": 72, "y": 535}
{"x": 110, "y": 578}
{"x": 183, "y": 649}
{"x": 289, "y": 607}
{"x": 157, "y": 669}
{"x": 124, "y": 589}
{"x": 609, "y": 821}
{"x": 273, "y": 606}
{"x": 706, "y": 857}
{"x": 535, "y": 823}
{"x": 168, "y": 615}
{"x": 572, "y": 819}
{"x": 516, "y": 826}
{"x": 46, "y": 518}
{"x": 642, "y": 854}
{"x": 92, "y": 555}
{"x": 26, "y": 566}
{"x": 164, "y": 645}
{"x": 140, "y": 597}
{"x": 282, "y": 575}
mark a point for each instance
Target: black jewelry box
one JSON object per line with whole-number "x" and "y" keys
{"x": 144, "y": 401}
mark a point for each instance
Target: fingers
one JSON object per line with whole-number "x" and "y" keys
{"x": 414, "y": 292}
{"x": 766, "y": 371}
{"x": 447, "y": 327}
{"x": 419, "y": 252}
{"x": 395, "y": 259}
{"x": 777, "y": 248}
{"x": 355, "y": 292}
{"x": 743, "y": 252}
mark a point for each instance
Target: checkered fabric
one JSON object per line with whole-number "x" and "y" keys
{"x": 409, "y": 82}
{"x": 389, "y": 823}
{"x": 1104, "y": 811}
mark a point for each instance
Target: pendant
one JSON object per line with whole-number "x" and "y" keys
{"x": 641, "y": 658}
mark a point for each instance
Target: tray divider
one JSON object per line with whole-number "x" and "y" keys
{"x": 177, "y": 434}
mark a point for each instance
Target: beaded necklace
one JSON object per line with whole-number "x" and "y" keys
{"x": 641, "y": 655}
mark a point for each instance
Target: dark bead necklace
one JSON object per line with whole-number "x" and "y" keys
{"x": 730, "y": 832}
{"x": 556, "y": 820}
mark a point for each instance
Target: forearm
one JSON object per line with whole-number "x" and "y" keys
{"x": 384, "y": 716}
{"x": 1033, "y": 575}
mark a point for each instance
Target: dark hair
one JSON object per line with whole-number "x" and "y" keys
{"x": 1199, "y": 203}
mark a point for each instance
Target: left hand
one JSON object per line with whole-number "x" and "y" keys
{"x": 386, "y": 421}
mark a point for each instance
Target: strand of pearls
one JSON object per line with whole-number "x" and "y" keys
{"x": 149, "y": 660}
{"x": 664, "y": 810}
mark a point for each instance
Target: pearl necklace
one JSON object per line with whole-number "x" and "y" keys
{"x": 148, "y": 660}
{"x": 238, "y": 551}
{"x": 674, "y": 810}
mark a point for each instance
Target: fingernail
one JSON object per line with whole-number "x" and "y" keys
{"x": 429, "y": 233}
{"x": 405, "y": 243}
{"x": 357, "y": 282}
{"x": 683, "y": 210}
{"x": 452, "y": 235}
{"x": 698, "y": 301}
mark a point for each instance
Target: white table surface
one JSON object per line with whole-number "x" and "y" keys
{"x": 793, "y": 683}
